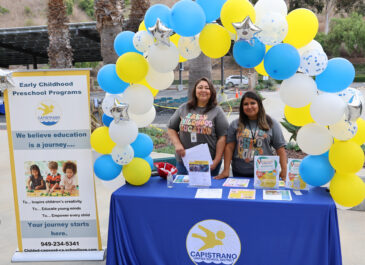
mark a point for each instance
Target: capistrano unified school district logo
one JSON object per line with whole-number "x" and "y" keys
{"x": 213, "y": 241}
{"x": 48, "y": 112}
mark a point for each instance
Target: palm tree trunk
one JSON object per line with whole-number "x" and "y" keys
{"x": 109, "y": 18}
{"x": 199, "y": 67}
{"x": 59, "y": 49}
{"x": 138, "y": 10}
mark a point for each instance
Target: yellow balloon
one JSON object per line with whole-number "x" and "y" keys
{"x": 298, "y": 116}
{"x": 175, "y": 40}
{"x": 137, "y": 172}
{"x": 302, "y": 27}
{"x": 346, "y": 157}
{"x": 359, "y": 137}
{"x": 142, "y": 26}
{"x": 101, "y": 141}
{"x": 260, "y": 68}
{"x": 236, "y": 11}
{"x": 153, "y": 90}
{"x": 214, "y": 41}
{"x": 347, "y": 189}
{"x": 131, "y": 67}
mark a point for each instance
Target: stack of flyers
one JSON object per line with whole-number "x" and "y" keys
{"x": 181, "y": 179}
{"x": 235, "y": 182}
{"x": 242, "y": 194}
{"x": 277, "y": 195}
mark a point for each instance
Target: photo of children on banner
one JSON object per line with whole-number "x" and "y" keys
{"x": 55, "y": 183}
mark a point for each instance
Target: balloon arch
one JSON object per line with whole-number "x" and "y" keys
{"x": 315, "y": 90}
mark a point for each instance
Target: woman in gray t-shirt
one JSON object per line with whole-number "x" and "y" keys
{"x": 254, "y": 133}
{"x": 197, "y": 122}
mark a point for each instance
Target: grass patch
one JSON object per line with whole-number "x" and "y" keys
{"x": 160, "y": 139}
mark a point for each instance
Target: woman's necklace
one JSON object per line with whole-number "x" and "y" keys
{"x": 253, "y": 134}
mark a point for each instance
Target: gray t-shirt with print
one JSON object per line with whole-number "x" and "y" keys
{"x": 196, "y": 127}
{"x": 248, "y": 146}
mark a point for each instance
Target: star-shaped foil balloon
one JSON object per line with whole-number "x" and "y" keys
{"x": 354, "y": 108}
{"x": 120, "y": 111}
{"x": 6, "y": 80}
{"x": 246, "y": 30}
{"x": 161, "y": 33}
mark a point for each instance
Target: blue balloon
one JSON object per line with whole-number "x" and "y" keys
{"x": 338, "y": 75}
{"x": 150, "y": 161}
{"x": 109, "y": 81}
{"x": 107, "y": 119}
{"x": 316, "y": 170}
{"x": 187, "y": 18}
{"x": 123, "y": 43}
{"x": 212, "y": 8}
{"x": 247, "y": 54}
{"x": 160, "y": 11}
{"x": 282, "y": 61}
{"x": 105, "y": 168}
{"x": 142, "y": 146}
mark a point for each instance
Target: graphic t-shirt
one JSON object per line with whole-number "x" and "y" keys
{"x": 252, "y": 141}
{"x": 53, "y": 179}
{"x": 207, "y": 127}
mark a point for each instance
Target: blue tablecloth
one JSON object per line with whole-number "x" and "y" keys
{"x": 148, "y": 225}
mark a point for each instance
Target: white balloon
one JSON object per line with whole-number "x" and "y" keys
{"x": 123, "y": 133}
{"x": 274, "y": 28}
{"x": 114, "y": 183}
{"x": 343, "y": 130}
{"x": 163, "y": 58}
{"x": 314, "y": 139}
{"x": 143, "y": 40}
{"x": 313, "y": 45}
{"x": 313, "y": 62}
{"x": 327, "y": 109}
{"x": 108, "y": 102}
{"x": 262, "y": 7}
{"x": 159, "y": 80}
{"x": 144, "y": 119}
{"x": 298, "y": 91}
{"x": 189, "y": 47}
{"x": 139, "y": 98}
{"x": 122, "y": 155}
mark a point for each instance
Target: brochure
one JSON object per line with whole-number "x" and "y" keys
{"x": 246, "y": 194}
{"x": 293, "y": 179}
{"x": 199, "y": 174}
{"x": 277, "y": 195}
{"x": 266, "y": 171}
{"x": 236, "y": 182}
{"x": 209, "y": 193}
{"x": 181, "y": 179}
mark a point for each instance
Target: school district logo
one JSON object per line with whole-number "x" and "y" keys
{"x": 213, "y": 241}
{"x": 48, "y": 112}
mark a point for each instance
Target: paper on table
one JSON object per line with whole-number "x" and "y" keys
{"x": 199, "y": 152}
{"x": 248, "y": 194}
{"x": 279, "y": 195}
{"x": 181, "y": 179}
{"x": 209, "y": 193}
{"x": 235, "y": 182}
{"x": 199, "y": 174}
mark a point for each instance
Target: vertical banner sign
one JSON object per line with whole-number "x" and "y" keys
{"x": 48, "y": 122}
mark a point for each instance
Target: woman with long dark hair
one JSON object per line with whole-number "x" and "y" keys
{"x": 199, "y": 121}
{"x": 253, "y": 133}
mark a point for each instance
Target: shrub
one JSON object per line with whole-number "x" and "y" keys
{"x": 4, "y": 10}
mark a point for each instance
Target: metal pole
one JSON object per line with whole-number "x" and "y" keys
{"x": 35, "y": 66}
{"x": 222, "y": 71}
{"x": 180, "y": 86}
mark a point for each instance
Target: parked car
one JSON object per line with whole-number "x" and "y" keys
{"x": 235, "y": 80}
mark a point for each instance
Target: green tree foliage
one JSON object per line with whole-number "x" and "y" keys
{"x": 69, "y": 6}
{"x": 88, "y": 7}
{"x": 319, "y": 5}
{"x": 3, "y": 10}
{"x": 347, "y": 34}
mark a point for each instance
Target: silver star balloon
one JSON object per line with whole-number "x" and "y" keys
{"x": 246, "y": 30}
{"x": 120, "y": 111}
{"x": 6, "y": 80}
{"x": 161, "y": 33}
{"x": 354, "y": 108}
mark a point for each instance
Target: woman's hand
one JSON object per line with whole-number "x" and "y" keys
{"x": 282, "y": 175}
{"x": 222, "y": 175}
{"x": 214, "y": 165}
{"x": 180, "y": 150}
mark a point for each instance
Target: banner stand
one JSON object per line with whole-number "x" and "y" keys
{"x": 59, "y": 256}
